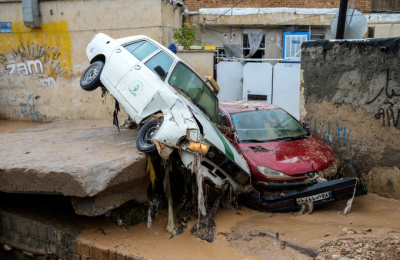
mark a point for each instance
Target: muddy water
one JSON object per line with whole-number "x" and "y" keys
{"x": 250, "y": 235}
{"x": 10, "y": 126}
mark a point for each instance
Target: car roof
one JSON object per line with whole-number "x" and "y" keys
{"x": 245, "y": 105}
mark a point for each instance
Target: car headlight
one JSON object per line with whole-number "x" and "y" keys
{"x": 273, "y": 174}
{"x": 200, "y": 148}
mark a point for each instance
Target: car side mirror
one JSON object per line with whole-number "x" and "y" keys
{"x": 161, "y": 72}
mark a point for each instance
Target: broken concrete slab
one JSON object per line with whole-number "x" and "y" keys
{"x": 89, "y": 160}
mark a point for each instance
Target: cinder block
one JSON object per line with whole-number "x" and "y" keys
{"x": 51, "y": 234}
{"x": 61, "y": 239}
{"x": 44, "y": 244}
{"x": 119, "y": 256}
{"x": 75, "y": 257}
{"x": 23, "y": 227}
{"x": 5, "y": 221}
{"x": 33, "y": 229}
{"x": 98, "y": 252}
{"x": 53, "y": 248}
{"x": 73, "y": 246}
{"x": 14, "y": 224}
{"x": 112, "y": 255}
{"x": 43, "y": 232}
{"x": 83, "y": 249}
{"x": 35, "y": 242}
{"x": 25, "y": 240}
{"x": 16, "y": 237}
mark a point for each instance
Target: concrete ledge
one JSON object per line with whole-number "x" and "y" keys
{"x": 78, "y": 158}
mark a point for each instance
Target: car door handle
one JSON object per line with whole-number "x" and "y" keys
{"x": 137, "y": 67}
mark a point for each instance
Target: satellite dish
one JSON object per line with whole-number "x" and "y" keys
{"x": 356, "y": 25}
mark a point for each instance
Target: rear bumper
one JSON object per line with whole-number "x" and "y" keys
{"x": 341, "y": 189}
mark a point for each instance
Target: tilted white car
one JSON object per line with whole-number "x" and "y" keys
{"x": 146, "y": 79}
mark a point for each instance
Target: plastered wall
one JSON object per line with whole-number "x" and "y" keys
{"x": 40, "y": 68}
{"x": 351, "y": 99}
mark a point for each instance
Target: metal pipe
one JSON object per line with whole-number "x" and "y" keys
{"x": 341, "y": 19}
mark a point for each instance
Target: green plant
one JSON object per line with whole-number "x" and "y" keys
{"x": 186, "y": 35}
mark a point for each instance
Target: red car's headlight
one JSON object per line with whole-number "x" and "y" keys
{"x": 273, "y": 174}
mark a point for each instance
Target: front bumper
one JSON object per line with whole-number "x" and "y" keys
{"x": 340, "y": 189}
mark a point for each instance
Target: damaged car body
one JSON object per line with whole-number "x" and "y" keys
{"x": 175, "y": 108}
{"x": 289, "y": 166}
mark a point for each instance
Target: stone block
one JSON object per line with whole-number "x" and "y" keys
{"x": 5, "y": 222}
{"x": 51, "y": 234}
{"x": 43, "y": 232}
{"x": 33, "y": 229}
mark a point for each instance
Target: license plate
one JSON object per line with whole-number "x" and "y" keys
{"x": 312, "y": 198}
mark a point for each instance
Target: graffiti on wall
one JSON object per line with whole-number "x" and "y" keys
{"x": 338, "y": 137}
{"x": 24, "y": 107}
{"x": 386, "y": 111}
{"x": 31, "y": 59}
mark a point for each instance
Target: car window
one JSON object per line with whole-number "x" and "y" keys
{"x": 133, "y": 46}
{"x": 266, "y": 126}
{"x": 160, "y": 59}
{"x": 201, "y": 95}
{"x": 144, "y": 50}
{"x": 222, "y": 119}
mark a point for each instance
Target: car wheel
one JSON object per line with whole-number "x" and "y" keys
{"x": 90, "y": 79}
{"x": 144, "y": 139}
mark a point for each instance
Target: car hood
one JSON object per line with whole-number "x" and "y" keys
{"x": 290, "y": 157}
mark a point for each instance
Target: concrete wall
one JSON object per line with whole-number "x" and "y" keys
{"x": 351, "y": 99}
{"x": 40, "y": 68}
{"x": 201, "y": 61}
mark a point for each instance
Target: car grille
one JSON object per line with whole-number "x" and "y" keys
{"x": 224, "y": 163}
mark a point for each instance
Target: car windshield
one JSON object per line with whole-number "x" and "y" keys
{"x": 201, "y": 95}
{"x": 266, "y": 126}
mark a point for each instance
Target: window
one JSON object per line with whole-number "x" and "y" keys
{"x": 133, "y": 46}
{"x": 246, "y": 47}
{"x": 141, "y": 49}
{"x": 266, "y": 126}
{"x": 160, "y": 59}
{"x": 197, "y": 90}
{"x": 292, "y": 45}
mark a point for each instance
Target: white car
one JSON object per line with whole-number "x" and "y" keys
{"x": 148, "y": 79}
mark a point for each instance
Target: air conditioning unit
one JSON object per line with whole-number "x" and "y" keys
{"x": 292, "y": 45}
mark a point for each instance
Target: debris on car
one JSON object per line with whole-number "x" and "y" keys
{"x": 289, "y": 166}
{"x": 176, "y": 111}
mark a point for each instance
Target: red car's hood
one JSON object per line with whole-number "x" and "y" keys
{"x": 290, "y": 157}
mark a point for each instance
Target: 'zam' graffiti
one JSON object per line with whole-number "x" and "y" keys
{"x": 41, "y": 61}
{"x": 390, "y": 116}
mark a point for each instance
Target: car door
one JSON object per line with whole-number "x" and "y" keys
{"x": 120, "y": 62}
{"x": 145, "y": 78}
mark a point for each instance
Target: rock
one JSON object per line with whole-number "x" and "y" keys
{"x": 335, "y": 257}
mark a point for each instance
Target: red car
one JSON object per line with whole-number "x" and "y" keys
{"x": 284, "y": 156}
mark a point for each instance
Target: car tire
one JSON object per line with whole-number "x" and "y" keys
{"x": 144, "y": 139}
{"x": 90, "y": 79}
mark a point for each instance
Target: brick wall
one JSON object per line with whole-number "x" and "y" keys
{"x": 194, "y": 5}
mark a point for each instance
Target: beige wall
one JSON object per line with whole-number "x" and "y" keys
{"x": 40, "y": 68}
{"x": 351, "y": 99}
{"x": 201, "y": 61}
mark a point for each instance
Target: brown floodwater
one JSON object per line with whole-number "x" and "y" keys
{"x": 11, "y": 126}
{"x": 242, "y": 236}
